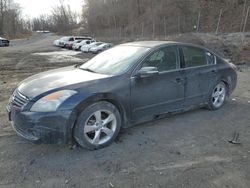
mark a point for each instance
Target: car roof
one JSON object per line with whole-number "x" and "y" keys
{"x": 82, "y": 37}
{"x": 153, "y": 44}
{"x": 97, "y": 43}
{"x": 104, "y": 43}
{"x": 148, "y": 44}
{"x": 85, "y": 40}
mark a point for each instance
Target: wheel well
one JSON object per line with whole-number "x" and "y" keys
{"x": 227, "y": 85}
{"x": 112, "y": 101}
{"x": 118, "y": 106}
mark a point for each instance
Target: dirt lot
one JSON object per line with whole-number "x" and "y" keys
{"x": 187, "y": 150}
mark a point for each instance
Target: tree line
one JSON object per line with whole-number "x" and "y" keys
{"x": 140, "y": 18}
{"x": 61, "y": 20}
{"x": 11, "y": 21}
{"x": 132, "y": 18}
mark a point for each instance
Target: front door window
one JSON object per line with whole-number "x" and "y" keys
{"x": 165, "y": 59}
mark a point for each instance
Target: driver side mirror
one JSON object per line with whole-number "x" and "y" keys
{"x": 147, "y": 72}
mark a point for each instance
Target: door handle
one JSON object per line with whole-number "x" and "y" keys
{"x": 178, "y": 80}
{"x": 213, "y": 71}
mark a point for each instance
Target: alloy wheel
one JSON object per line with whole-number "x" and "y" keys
{"x": 100, "y": 127}
{"x": 219, "y": 95}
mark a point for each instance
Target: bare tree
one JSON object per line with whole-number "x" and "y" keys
{"x": 11, "y": 21}
{"x": 62, "y": 20}
{"x": 160, "y": 17}
{"x": 3, "y": 8}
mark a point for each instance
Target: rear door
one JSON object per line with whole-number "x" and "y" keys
{"x": 200, "y": 72}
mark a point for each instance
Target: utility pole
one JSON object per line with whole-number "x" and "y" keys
{"x": 142, "y": 30}
{"x": 132, "y": 31}
{"x": 179, "y": 24}
{"x": 218, "y": 24}
{"x": 120, "y": 34}
{"x": 243, "y": 13}
{"x": 165, "y": 28}
{"x": 198, "y": 22}
{"x": 245, "y": 23}
{"x": 153, "y": 28}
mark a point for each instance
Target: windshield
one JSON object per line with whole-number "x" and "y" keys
{"x": 103, "y": 45}
{"x": 84, "y": 41}
{"x": 115, "y": 61}
{"x": 65, "y": 38}
{"x": 93, "y": 44}
{"x": 97, "y": 43}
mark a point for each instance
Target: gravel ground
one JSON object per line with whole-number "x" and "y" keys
{"x": 186, "y": 150}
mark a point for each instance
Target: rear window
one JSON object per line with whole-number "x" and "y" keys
{"x": 83, "y": 38}
{"x": 194, "y": 57}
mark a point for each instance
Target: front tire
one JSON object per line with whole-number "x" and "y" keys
{"x": 218, "y": 96}
{"x": 97, "y": 126}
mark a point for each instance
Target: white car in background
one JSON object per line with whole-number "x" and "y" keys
{"x": 77, "y": 46}
{"x": 66, "y": 40}
{"x": 57, "y": 42}
{"x": 101, "y": 48}
{"x": 86, "y": 48}
{"x": 69, "y": 45}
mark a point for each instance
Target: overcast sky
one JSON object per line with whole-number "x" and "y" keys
{"x": 34, "y": 8}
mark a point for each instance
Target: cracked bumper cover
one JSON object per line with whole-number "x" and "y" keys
{"x": 40, "y": 127}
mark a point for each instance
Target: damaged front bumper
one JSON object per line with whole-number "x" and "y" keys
{"x": 40, "y": 127}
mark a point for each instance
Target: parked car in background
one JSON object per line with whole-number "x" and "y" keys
{"x": 66, "y": 40}
{"x": 43, "y": 31}
{"x": 126, "y": 85}
{"x": 77, "y": 46}
{"x": 69, "y": 45}
{"x": 101, "y": 48}
{"x": 4, "y": 42}
{"x": 57, "y": 42}
{"x": 86, "y": 48}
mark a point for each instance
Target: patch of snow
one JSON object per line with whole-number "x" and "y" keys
{"x": 60, "y": 56}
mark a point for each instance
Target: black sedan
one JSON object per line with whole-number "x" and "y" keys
{"x": 126, "y": 85}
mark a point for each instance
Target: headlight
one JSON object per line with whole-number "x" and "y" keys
{"x": 52, "y": 101}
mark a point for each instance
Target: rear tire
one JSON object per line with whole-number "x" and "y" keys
{"x": 218, "y": 96}
{"x": 97, "y": 126}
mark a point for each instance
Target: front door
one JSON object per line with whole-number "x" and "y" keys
{"x": 159, "y": 93}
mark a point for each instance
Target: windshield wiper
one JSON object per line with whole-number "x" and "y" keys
{"x": 86, "y": 69}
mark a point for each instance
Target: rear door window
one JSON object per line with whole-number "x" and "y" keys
{"x": 194, "y": 57}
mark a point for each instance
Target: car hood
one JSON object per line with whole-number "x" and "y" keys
{"x": 46, "y": 81}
